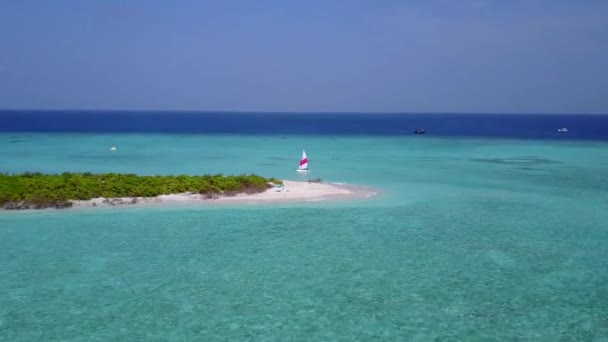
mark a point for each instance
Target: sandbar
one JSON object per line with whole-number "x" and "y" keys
{"x": 291, "y": 192}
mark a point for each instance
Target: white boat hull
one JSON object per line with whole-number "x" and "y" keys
{"x": 302, "y": 170}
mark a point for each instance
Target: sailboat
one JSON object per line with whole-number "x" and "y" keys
{"x": 303, "y": 163}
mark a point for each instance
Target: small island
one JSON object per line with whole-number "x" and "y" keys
{"x": 66, "y": 190}
{"x": 38, "y": 191}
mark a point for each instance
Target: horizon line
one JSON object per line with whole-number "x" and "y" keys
{"x": 224, "y": 111}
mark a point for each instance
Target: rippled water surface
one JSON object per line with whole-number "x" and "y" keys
{"x": 469, "y": 239}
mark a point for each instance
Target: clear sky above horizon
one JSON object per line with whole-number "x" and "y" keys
{"x": 519, "y": 56}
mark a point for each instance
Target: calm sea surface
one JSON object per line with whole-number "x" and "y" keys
{"x": 492, "y": 228}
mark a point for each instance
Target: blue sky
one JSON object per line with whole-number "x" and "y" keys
{"x": 521, "y": 56}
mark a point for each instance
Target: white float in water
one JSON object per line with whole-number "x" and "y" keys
{"x": 113, "y": 148}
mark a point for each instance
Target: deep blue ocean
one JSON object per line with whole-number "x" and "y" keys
{"x": 488, "y": 228}
{"x": 587, "y": 127}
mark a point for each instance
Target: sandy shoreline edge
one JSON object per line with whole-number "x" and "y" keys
{"x": 292, "y": 192}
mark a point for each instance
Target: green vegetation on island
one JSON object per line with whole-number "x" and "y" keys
{"x": 38, "y": 191}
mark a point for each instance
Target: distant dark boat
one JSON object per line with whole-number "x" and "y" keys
{"x": 420, "y": 131}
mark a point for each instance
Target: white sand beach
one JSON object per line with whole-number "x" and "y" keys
{"x": 291, "y": 192}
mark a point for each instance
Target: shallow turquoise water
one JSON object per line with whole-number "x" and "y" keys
{"x": 469, "y": 240}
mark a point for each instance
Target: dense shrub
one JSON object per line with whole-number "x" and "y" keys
{"x": 35, "y": 190}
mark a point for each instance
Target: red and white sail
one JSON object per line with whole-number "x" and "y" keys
{"x": 303, "y": 162}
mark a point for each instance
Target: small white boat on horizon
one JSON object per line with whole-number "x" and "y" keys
{"x": 303, "y": 163}
{"x": 562, "y": 130}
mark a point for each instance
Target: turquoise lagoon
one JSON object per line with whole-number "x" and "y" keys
{"x": 468, "y": 239}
